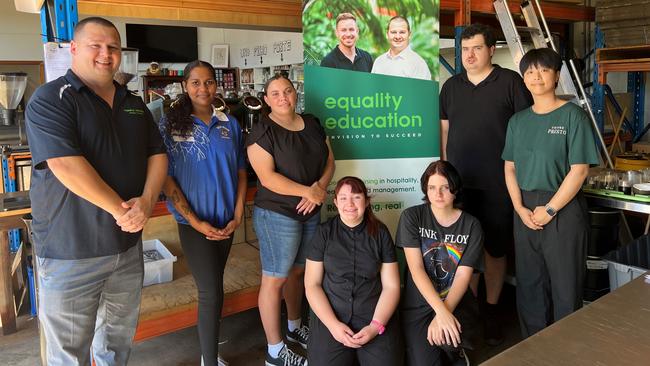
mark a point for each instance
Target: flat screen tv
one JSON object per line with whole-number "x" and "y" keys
{"x": 162, "y": 43}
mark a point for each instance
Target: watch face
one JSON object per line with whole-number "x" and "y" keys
{"x": 550, "y": 211}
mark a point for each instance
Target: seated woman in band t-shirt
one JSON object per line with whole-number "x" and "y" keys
{"x": 443, "y": 246}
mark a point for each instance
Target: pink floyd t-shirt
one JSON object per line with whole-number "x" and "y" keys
{"x": 443, "y": 249}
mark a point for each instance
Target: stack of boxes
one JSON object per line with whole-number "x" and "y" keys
{"x": 624, "y": 22}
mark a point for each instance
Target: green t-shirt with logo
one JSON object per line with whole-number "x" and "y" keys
{"x": 544, "y": 146}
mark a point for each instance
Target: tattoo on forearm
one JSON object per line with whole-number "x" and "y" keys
{"x": 182, "y": 207}
{"x": 175, "y": 198}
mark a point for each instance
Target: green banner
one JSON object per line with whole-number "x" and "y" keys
{"x": 371, "y": 77}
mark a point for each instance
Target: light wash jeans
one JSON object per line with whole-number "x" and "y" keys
{"x": 92, "y": 302}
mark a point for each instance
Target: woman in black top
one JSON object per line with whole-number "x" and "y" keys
{"x": 352, "y": 284}
{"x": 443, "y": 245}
{"x": 294, "y": 164}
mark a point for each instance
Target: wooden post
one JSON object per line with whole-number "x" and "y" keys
{"x": 7, "y": 305}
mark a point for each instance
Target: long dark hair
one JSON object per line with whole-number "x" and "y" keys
{"x": 357, "y": 186}
{"x": 179, "y": 119}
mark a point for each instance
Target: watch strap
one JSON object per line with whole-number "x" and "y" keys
{"x": 380, "y": 327}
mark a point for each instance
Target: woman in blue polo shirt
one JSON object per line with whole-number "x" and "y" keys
{"x": 205, "y": 189}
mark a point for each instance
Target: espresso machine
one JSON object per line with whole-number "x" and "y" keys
{"x": 12, "y": 121}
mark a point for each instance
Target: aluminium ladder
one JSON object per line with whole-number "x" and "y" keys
{"x": 541, "y": 39}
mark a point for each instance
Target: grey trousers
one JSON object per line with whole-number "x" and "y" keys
{"x": 90, "y": 303}
{"x": 550, "y": 263}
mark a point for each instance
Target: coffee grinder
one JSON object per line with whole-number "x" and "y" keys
{"x": 128, "y": 67}
{"x": 12, "y": 122}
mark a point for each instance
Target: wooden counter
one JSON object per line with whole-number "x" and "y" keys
{"x": 8, "y": 265}
{"x": 613, "y": 330}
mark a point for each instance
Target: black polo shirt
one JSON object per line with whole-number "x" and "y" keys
{"x": 352, "y": 262}
{"x": 337, "y": 60}
{"x": 478, "y": 118}
{"x": 66, "y": 118}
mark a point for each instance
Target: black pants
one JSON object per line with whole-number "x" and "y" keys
{"x": 415, "y": 325}
{"x": 207, "y": 260}
{"x": 383, "y": 350}
{"x": 494, "y": 210}
{"x": 550, "y": 263}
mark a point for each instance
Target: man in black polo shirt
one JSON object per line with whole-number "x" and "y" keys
{"x": 346, "y": 55}
{"x": 475, "y": 107}
{"x": 98, "y": 167}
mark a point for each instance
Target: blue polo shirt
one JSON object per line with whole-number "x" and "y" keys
{"x": 205, "y": 165}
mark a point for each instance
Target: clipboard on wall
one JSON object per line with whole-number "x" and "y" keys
{"x": 57, "y": 59}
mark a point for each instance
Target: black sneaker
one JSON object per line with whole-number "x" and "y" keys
{"x": 462, "y": 360}
{"x": 286, "y": 358}
{"x": 493, "y": 334}
{"x": 299, "y": 336}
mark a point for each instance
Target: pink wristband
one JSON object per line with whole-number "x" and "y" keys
{"x": 380, "y": 327}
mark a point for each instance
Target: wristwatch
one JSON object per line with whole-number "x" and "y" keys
{"x": 550, "y": 211}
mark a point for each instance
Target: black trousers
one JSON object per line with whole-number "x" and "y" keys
{"x": 550, "y": 263}
{"x": 383, "y": 350}
{"x": 415, "y": 325}
{"x": 207, "y": 260}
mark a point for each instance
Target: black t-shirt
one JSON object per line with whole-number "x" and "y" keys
{"x": 298, "y": 155}
{"x": 336, "y": 59}
{"x": 478, "y": 118}
{"x": 352, "y": 262}
{"x": 66, "y": 118}
{"x": 443, "y": 249}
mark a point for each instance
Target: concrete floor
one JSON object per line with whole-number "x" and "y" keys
{"x": 243, "y": 342}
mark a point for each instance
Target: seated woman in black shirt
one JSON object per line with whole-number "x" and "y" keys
{"x": 352, "y": 284}
{"x": 443, "y": 245}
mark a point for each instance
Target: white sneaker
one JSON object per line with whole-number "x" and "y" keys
{"x": 286, "y": 358}
{"x": 220, "y": 361}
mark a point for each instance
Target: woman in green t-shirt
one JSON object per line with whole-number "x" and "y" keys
{"x": 547, "y": 154}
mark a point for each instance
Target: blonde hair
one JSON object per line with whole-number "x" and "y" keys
{"x": 345, "y": 16}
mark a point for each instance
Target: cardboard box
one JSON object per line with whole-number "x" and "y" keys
{"x": 641, "y": 147}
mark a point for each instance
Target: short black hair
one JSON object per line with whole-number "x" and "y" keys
{"x": 94, "y": 20}
{"x": 444, "y": 168}
{"x": 544, "y": 57}
{"x": 477, "y": 28}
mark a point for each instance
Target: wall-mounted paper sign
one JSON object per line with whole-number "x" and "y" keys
{"x": 219, "y": 55}
{"x": 284, "y": 51}
{"x": 57, "y": 59}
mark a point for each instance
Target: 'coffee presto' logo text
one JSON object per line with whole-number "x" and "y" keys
{"x": 556, "y": 130}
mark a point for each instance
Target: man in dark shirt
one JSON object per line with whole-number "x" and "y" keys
{"x": 98, "y": 167}
{"x": 346, "y": 55}
{"x": 475, "y": 107}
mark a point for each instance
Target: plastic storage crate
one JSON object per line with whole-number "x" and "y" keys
{"x": 628, "y": 262}
{"x": 161, "y": 270}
